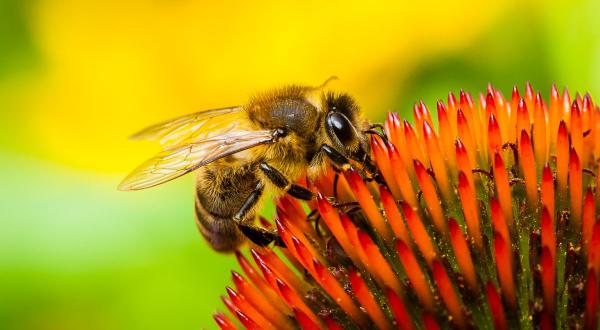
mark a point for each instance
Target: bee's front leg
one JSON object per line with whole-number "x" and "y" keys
{"x": 280, "y": 181}
{"x": 339, "y": 160}
{"x": 256, "y": 234}
{"x": 342, "y": 162}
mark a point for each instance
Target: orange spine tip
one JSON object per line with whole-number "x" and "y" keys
{"x": 465, "y": 135}
{"x": 419, "y": 233}
{"x": 576, "y": 129}
{"x": 398, "y": 140}
{"x": 295, "y": 213}
{"x": 589, "y": 140}
{"x": 286, "y": 236}
{"x": 452, "y": 108}
{"x": 431, "y": 197}
{"x": 421, "y": 114}
{"x": 523, "y": 122}
{"x": 446, "y": 135}
{"x": 393, "y": 215}
{"x": 529, "y": 96}
{"x": 436, "y": 160}
{"x": 425, "y": 111}
{"x": 539, "y": 131}
{"x": 467, "y": 106}
{"x": 504, "y": 268}
{"x": 503, "y": 188}
{"x": 495, "y": 303}
{"x": 494, "y": 137}
{"x": 527, "y": 161}
{"x": 337, "y": 293}
{"x": 294, "y": 300}
{"x": 462, "y": 253}
{"x": 260, "y": 302}
{"x": 244, "y": 306}
{"x": 267, "y": 274}
{"x": 452, "y": 104}
{"x": 514, "y": 105}
{"x": 305, "y": 257}
{"x": 401, "y": 316}
{"x": 490, "y": 104}
{"x": 333, "y": 221}
{"x": 287, "y": 229}
{"x": 470, "y": 209}
{"x": 383, "y": 272}
{"x": 261, "y": 260}
{"x": 367, "y": 203}
{"x": 244, "y": 319}
{"x": 562, "y": 158}
{"x": 366, "y": 299}
{"x": 575, "y": 187}
{"x": 566, "y": 106}
{"x": 448, "y": 294}
{"x": 279, "y": 266}
{"x": 503, "y": 114}
{"x": 261, "y": 284}
{"x": 413, "y": 144}
{"x": 463, "y": 161}
{"x": 392, "y": 128}
{"x": 589, "y": 218}
{"x": 548, "y": 278}
{"x": 415, "y": 275}
{"x": 223, "y": 322}
{"x": 402, "y": 178}
{"x": 547, "y": 189}
{"x": 382, "y": 159}
{"x": 352, "y": 233}
{"x": 554, "y": 115}
{"x": 592, "y": 294}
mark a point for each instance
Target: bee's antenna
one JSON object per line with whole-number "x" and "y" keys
{"x": 325, "y": 83}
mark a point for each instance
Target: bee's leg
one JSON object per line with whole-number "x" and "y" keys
{"x": 381, "y": 134}
{"x": 260, "y": 236}
{"x": 336, "y": 157}
{"x": 343, "y": 163}
{"x": 279, "y": 180}
{"x": 256, "y": 234}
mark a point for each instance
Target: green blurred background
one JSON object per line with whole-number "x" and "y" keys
{"x": 77, "y": 77}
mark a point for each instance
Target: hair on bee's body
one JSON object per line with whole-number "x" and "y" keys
{"x": 266, "y": 145}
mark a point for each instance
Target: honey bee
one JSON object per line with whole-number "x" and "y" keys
{"x": 240, "y": 152}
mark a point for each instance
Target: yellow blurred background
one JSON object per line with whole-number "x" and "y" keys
{"x": 77, "y": 77}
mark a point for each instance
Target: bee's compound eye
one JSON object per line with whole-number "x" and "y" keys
{"x": 341, "y": 127}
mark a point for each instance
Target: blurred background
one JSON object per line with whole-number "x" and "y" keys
{"x": 77, "y": 77}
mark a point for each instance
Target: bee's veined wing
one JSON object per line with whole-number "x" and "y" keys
{"x": 190, "y": 127}
{"x": 181, "y": 159}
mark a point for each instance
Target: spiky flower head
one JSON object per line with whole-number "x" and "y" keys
{"x": 487, "y": 221}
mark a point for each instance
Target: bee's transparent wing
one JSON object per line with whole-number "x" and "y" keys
{"x": 190, "y": 127}
{"x": 181, "y": 159}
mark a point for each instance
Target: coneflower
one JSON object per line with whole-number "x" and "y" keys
{"x": 487, "y": 221}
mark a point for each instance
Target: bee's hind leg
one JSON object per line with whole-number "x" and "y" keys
{"x": 260, "y": 236}
{"x": 256, "y": 234}
{"x": 279, "y": 180}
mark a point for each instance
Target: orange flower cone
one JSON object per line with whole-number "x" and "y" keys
{"x": 488, "y": 221}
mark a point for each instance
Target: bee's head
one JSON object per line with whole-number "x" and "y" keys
{"x": 345, "y": 126}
